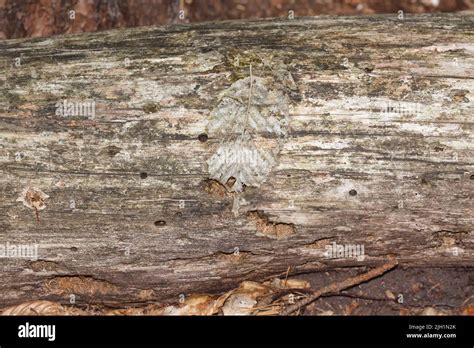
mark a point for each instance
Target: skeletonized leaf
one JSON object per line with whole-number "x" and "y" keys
{"x": 245, "y": 163}
{"x": 268, "y": 109}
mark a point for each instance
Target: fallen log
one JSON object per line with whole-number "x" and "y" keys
{"x": 148, "y": 164}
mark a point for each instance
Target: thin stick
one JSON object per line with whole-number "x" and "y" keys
{"x": 286, "y": 277}
{"x": 348, "y": 283}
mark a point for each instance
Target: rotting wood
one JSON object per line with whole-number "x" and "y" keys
{"x": 379, "y": 153}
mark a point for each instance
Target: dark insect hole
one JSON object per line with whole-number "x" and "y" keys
{"x": 202, "y": 137}
{"x": 160, "y": 223}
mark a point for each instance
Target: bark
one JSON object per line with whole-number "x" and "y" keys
{"x": 378, "y": 153}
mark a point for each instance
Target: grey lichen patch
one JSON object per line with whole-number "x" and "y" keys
{"x": 459, "y": 96}
{"x": 328, "y": 62}
{"x": 202, "y": 62}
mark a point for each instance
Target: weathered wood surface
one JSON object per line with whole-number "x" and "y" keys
{"x": 154, "y": 90}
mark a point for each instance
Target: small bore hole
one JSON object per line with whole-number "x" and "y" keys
{"x": 203, "y": 137}
{"x": 160, "y": 223}
{"x": 73, "y": 248}
{"x": 353, "y": 192}
{"x": 143, "y": 175}
{"x": 471, "y": 177}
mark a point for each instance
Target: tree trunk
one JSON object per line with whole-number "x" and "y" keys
{"x": 366, "y": 123}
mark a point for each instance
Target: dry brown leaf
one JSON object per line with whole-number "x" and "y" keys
{"x": 244, "y": 299}
{"x": 468, "y": 311}
{"x": 126, "y": 311}
{"x": 406, "y": 311}
{"x": 194, "y": 305}
{"x": 349, "y": 309}
{"x": 152, "y": 309}
{"x": 432, "y": 311}
{"x": 41, "y": 307}
{"x": 33, "y": 198}
{"x": 239, "y": 304}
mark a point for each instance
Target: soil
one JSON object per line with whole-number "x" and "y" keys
{"x": 413, "y": 291}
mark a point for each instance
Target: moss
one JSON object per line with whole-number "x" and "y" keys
{"x": 238, "y": 62}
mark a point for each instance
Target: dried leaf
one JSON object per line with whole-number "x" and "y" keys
{"x": 432, "y": 311}
{"x": 246, "y": 164}
{"x": 244, "y": 299}
{"x": 195, "y": 305}
{"x": 41, "y": 308}
{"x": 267, "y": 113}
{"x": 468, "y": 311}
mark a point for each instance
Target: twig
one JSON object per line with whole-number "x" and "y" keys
{"x": 467, "y": 300}
{"x": 286, "y": 276}
{"x": 336, "y": 287}
{"x": 359, "y": 297}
